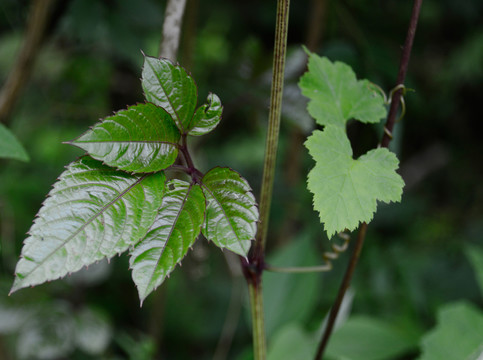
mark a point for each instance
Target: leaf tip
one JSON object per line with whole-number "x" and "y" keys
{"x": 306, "y": 50}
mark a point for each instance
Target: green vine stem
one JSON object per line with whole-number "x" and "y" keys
{"x": 391, "y": 119}
{"x": 273, "y": 121}
{"x": 254, "y": 266}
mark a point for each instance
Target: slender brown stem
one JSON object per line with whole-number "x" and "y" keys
{"x": 403, "y": 68}
{"x": 19, "y": 75}
{"x": 391, "y": 118}
{"x": 342, "y": 290}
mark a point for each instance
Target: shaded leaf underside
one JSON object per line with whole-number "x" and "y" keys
{"x": 174, "y": 231}
{"x": 92, "y": 212}
{"x": 231, "y": 211}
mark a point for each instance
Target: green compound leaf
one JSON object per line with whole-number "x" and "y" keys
{"x": 336, "y": 96}
{"x": 174, "y": 231}
{"x": 142, "y": 138}
{"x": 231, "y": 210}
{"x": 457, "y": 336}
{"x": 10, "y": 147}
{"x": 206, "y": 117}
{"x": 345, "y": 190}
{"x": 92, "y": 212}
{"x": 171, "y": 88}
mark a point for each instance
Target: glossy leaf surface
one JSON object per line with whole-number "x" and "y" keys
{"x": 458, "y": 334}
{"x": 337, "y": 96}
{"x": 10, "y": 147}
{"x": 231, "y": 210}
{"x": 206, "y": 117}
{"x": 92, "y": 212}
{"x": 174, "y": 231}
{"x": 142, "y": 138}
{"x": 170, "y": 87}
{"x": 346, "y": 190}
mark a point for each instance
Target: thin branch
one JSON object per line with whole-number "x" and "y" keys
{"x": 391, "y": 118}
{"x": 342, "y": 290}
{"x": 403, "y": 68}
{"x": 19, "y": 75}
{"x": 173, "y": 18}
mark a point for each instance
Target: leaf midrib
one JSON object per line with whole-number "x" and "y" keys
{"x": 183, "y": 203}
{"x": 225, "y": 215}
{"x": 179, "y": 122}
{"x": 102, "y": 210}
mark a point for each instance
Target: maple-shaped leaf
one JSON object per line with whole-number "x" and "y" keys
{"x": 336, "y": 95}
{"x": 346, "y": 190}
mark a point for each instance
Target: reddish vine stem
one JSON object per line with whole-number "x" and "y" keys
{"x": 342, "y": 290}
{"x": 403, "y": 68}
{"x": 391, "y": 119}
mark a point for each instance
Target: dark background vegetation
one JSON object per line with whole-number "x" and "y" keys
{"x": 414, "y": 257}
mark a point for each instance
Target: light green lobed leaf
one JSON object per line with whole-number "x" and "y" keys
{"x": 92, "y": 212}
{"x": 174, "y": 231}
{"x": 345, "y": 190}
{"x": 206, "y": 117}
{"x": 142, "y": 138}
{"x": 336, "y": 95}
{"x": 10, "y": 147}
{"x": 231, "y": 210}
{"x": 171, "y": 88}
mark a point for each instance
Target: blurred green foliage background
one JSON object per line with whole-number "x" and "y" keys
{"x": 417, "y": 253}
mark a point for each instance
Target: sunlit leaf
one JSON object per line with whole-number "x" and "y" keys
{"x": 206, "y": 117}
{"x": 337, "y": 96}
{"x": 10, "y": 147}
{"x": 170, "y": 87}
{"x": 92, "y": 212}
{"x": 346, "y": 190}
{"x": 142, "y": 138}
{"x": 231, "y": 210}
{"x": 174, "y": 231}
{"x": 458, "y": 334}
